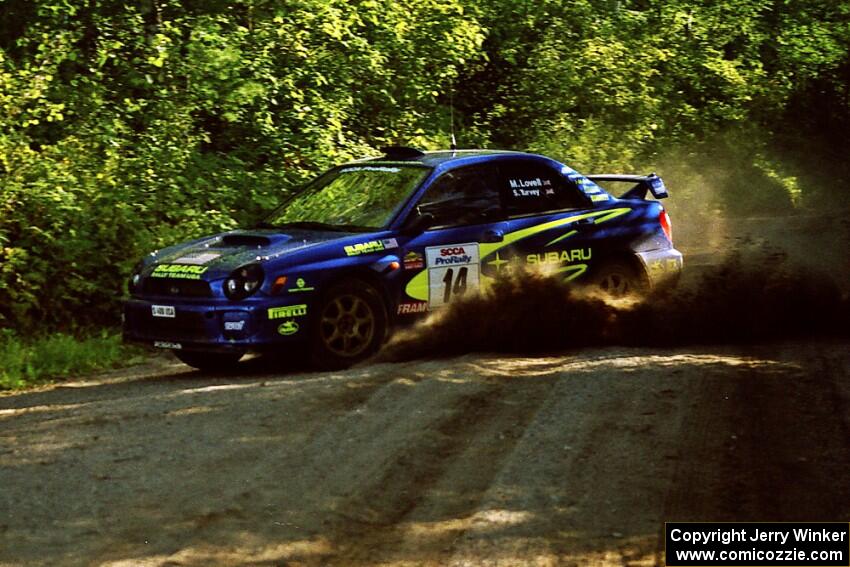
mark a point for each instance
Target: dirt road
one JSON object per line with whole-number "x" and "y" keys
{"x": 478, "y": 460}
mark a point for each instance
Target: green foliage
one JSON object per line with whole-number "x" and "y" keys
{"x": 34, "y": 361}
{"x": 126, "y": 126}
{"x": 602, "y": 83}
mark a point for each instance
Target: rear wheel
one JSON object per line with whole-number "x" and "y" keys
{"x": 618, "y": 279}
{"x": 209, "y": 361}
{"x": 351, "y": 325}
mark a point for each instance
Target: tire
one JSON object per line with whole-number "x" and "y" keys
{"x": 209, "y": 361}
{"x": 618, "y": 279}
{"x": 349, "y": 326}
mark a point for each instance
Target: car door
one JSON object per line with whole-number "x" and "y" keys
{"x": 550, "y": 223}
{"x": 445, "y": 259}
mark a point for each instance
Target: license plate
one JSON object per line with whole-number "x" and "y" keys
{"x": 163, "y": 311}
{"x": 166, "y": 344}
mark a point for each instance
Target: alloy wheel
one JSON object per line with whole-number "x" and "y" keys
{"x": 615, "y": 284}
{"x": 347, "y": 325}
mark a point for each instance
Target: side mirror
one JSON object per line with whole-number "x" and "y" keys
{"x": 418, "y": 222}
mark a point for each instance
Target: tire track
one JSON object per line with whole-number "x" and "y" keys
{"x": 429, "y": 482}
{"x": 505, "y": 461}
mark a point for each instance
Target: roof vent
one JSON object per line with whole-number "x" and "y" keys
{"x": 401, "y": 152}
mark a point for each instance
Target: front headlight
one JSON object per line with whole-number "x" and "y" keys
{"x": 135, "y": 277}
{"x": 243, "y": 282}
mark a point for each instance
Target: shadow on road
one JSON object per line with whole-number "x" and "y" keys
{"x": 568, "y": 459}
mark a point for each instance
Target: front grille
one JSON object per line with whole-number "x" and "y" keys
{"x": 186, "y": 325}
{"x": 176, "y": 287}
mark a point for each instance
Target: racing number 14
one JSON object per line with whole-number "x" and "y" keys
{"x": 452, "y": 269}
{"x": 458, "y": 287}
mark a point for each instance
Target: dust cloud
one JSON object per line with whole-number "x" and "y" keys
{"x": 752, "y": 274}
{"x": 747, "y": 298}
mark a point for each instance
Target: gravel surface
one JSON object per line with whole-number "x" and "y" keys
{"x": 477, "y": 460}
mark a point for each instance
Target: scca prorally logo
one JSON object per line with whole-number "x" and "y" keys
{"x": 453, "y": 255}
{"x": 287, "y": 328}
{"x": 452, "y": 251}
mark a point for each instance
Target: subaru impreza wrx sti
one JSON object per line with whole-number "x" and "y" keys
{"x": 381, "y": 241}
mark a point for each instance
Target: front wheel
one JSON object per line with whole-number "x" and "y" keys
{"x": 209, "y": 361}
{"x": 350, "y": 327}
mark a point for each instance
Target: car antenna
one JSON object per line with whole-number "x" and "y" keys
{"x": 453, "y": 145}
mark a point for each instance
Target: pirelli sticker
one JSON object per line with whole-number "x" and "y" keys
{"x": 287, "y": 312}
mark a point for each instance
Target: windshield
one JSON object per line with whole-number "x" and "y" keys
{"x": 351, "y": 197}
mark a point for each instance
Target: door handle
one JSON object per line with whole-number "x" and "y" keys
{"x": 492, "y": 235}
{"x": 584, "y": 223}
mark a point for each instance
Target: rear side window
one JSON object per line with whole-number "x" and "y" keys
{"x": 529, "y": 187}
{"x": 468, "y": 195}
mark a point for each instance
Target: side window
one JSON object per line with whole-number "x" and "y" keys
{"x": 530, "y": 187}
{"x": 468, "y": 195}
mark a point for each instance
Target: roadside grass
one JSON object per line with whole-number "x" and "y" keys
{"x": 26, "y": 362}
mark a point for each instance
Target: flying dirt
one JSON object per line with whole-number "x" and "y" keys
{"x": 748, "y": 298}
{"x": 748, "y": 278}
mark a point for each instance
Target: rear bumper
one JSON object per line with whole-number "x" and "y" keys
{"x": 211, "y": 327}
{"x": 662, "y": 267}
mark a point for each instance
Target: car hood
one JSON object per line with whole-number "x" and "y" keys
{"x": 220, "y": 254}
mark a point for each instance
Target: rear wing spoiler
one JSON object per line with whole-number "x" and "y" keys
{"x": 642, "y": 184}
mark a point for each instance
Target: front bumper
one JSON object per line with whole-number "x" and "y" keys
{"x": 211, "y": 327}
{"x": 663, "y": 267}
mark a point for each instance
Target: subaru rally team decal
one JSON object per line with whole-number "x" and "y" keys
{"x": 189, "y": 267}
{"x": 370, "y": 246}
{"x": 178, "y": 271}
{"x": 451, "y": 270}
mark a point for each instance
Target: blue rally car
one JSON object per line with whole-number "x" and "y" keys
{"x": 379, "y": 241}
